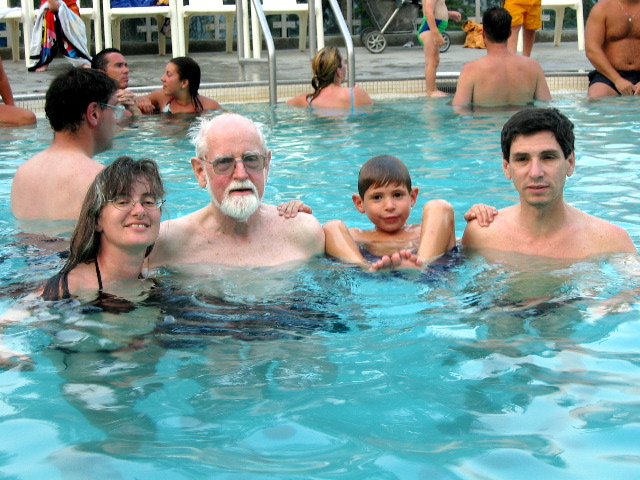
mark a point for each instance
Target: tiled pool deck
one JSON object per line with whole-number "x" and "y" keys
{"x": 397, "y": 71}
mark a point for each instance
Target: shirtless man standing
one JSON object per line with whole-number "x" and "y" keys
{"x": 538, "y": 155}
{"x": 81, "y": 107}
{"x": 612, "y": 36}
{"x": 235, "y": 228}
{"x": 501, "y": 77}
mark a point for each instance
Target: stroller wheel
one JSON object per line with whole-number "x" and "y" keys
{"x": 375, "y": 42}
{"x": 365, "y": 31}
{"x": 447, "y": 43}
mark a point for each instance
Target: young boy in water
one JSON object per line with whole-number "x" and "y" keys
{"x": 386, "y": 196}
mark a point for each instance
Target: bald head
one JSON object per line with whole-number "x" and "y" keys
{"x": 212, "y": 129}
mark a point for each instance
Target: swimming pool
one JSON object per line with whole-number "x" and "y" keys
{"x": 471, "y": 370}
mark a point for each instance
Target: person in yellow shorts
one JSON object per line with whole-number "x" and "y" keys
{"x": 525, "y": 13}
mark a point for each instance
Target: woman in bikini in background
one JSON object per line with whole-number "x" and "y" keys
{"x": 179, "y": 92}
{"x": 329, "y": 73}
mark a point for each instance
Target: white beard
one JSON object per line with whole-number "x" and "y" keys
{"x": 239, "y": 207}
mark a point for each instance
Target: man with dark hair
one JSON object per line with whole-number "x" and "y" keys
{"x": 538, "y": 155}
{"x": 501, "y": 77}
{"x": 81, "y": 107}
{"x": 112, "y": 62}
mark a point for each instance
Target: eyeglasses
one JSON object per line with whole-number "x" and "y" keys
{"x": 118, "y": 110}
{"x": 253, "y": 162}
{"x": 125, "y": 204}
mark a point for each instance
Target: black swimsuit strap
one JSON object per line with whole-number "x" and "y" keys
{"x": 98, "y": 275}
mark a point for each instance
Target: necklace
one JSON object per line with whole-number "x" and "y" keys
{"x": 630, "y": 17}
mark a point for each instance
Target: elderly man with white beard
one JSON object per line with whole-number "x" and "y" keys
{"x": 236, "y": 228}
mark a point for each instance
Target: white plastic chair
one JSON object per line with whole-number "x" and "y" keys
{"x": 290, "y": 7}
{"x": 559, "y": 7}
{"x": 197, "y": 8}
{"x": 92, "y": 14}
{"x": 113, "y": 16}
{"x": 12, "y": 20}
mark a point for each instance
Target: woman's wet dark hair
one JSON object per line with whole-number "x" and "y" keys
{"x": 188, "y": 69}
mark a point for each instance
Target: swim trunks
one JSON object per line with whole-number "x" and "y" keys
{"x": 596, "y": 77}
{"x": 441, "y": 24}
{"x": 525, "y": 12}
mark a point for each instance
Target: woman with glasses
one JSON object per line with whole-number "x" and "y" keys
{"x": 329, "y": 73}
{"x": 179, "y": 92}
{"x": 116, "y": 230}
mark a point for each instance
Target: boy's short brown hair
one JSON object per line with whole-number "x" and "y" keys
{"x": 383, "y": 170}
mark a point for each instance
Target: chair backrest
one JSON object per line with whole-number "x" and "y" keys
{"x": 284, "y": 5}
{"x": 137, "y": 4}
{"x": 561, "y": 3}
{"x": 204, "y": 4}
{"x": 86, "y": 3}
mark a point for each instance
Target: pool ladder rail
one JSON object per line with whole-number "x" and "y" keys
{"x": 243, "y": 47}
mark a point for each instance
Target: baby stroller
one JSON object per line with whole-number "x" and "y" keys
{"x": 373, "y": 37}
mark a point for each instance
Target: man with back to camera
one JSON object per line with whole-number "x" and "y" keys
{"x": 538, "y": 154}
{"x": 81, "y": 107}
{"x": 112, "y": 62}
{"x": 612, "y": 38}
{"x": 236, "y": 228}
{"x": 501, "y": 77}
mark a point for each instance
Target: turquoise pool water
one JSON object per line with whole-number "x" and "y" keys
{"x": 472, "y": 370}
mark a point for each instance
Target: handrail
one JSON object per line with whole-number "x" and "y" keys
{"x": 313, "y": 38}
{"x": 268, "y": 38}
{"x": 271, "y": 51}
{"x": 348, "y": 42}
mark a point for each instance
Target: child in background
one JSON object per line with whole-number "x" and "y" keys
{"x": 434, "y": 23}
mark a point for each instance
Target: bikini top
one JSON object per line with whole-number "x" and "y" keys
{"x": 105, "y": 301}
{"x": 167, "y": 107}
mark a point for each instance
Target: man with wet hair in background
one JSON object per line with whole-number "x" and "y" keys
{"x": 236, "y": 228}
{"x": 112, "y": 62}
{"x": 82, "y": 109}
{"x": 501, "y": 77}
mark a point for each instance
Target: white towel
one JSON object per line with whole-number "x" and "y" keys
{"x": 73, "y": 28}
